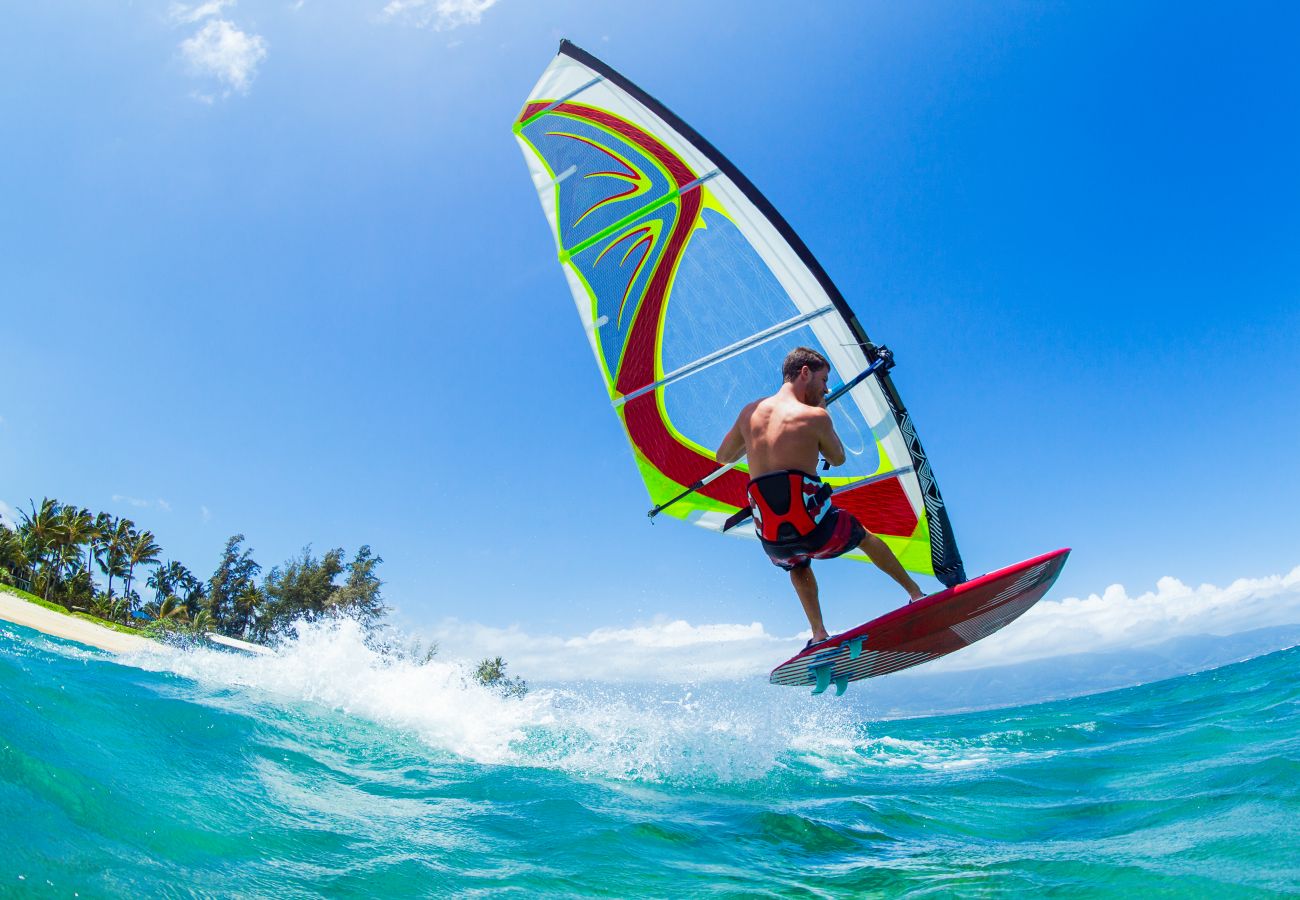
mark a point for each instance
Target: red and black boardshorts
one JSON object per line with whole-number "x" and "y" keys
{"x": 796, "y": 522}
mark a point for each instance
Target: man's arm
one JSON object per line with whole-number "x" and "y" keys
{"x": 828, "y": 441}
{"x": 732, "y": 447}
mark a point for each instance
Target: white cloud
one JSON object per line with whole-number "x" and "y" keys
{"x": 1114, "y": 620}
{"x": 187, "y": 15}
{"x": 223, "y": 51}
{"x": 205, "y": 513}
{"x": 677, "y": 651}
{"x": 8, "y": 518}
{"x": 219, "y": 49}
{"x": 664, "y": 650}
{"x": 441, "y": 15}
{"x": 143, "y": 504}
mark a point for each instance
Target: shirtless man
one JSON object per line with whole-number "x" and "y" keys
{"x": 783, "y": 435}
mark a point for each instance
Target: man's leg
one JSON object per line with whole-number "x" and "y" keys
{"x": 805, "y": 585}
{"x": 883, "y": 557}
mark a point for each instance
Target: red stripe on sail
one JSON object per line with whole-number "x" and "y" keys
{"x": 882, "y": 507}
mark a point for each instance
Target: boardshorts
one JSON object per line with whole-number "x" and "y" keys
{"x": 796, "y": 522}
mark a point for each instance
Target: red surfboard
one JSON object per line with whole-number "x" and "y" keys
{"x": 924, "y": 630}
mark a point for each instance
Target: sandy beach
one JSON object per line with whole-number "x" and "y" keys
{"x": 20, "y": 612}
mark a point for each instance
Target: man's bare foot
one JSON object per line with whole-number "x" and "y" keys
{"x": 815, "y": 640}
{"x": 916, "y": 596}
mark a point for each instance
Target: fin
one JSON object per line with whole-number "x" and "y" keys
{"x": 841, "y": 685}
{"x": 855, "y": 647}
{"x": 823, "y": 673}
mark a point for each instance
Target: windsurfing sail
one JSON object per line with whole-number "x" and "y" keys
{"x": 692, "y": 288}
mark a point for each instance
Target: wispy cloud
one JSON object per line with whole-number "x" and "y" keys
{"x": 441, "y": 15}
{"x": 205, "y": 513}
{"x": 664, "y": 650}
{"x": 677, "y": 651}
{"x": 219, "y": 49}
{"x": 8, "y": 518}
{"x": 191, "y": 14}
{"x": 139, "y": 503}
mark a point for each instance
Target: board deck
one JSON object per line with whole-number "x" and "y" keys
{"x": 927, "y": 629}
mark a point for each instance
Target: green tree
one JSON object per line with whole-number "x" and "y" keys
{"x": 168, "y": 578}
{"x": 248, "y": 607}
{"x": 117, "y": 537}
{"x": 78, "y": 588}
{"x": 78, "y": 529}
{"x": 492, "y": 673}
{"x": 302, "y": 589}
{"x": 12, "y": 557}
{"x": 235, "y": 573}
{"x": 44, "y": 533}
{"x": 359, "y": 595}
{"x": 79, "y": 526}
{"x": 194, "y": 591}
{"x": 170, "y": 608}
{"x": 98, "y": 542}
{"x": 141, "y": 550}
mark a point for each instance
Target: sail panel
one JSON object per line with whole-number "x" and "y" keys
{"x": 692, "y": 289}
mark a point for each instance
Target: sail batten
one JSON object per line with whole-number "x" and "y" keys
{"x": 717, "y": 356}
{"x": 692, "y": 288}
{"x": 555, "y": 104}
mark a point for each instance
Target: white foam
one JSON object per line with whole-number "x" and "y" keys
{"x": 629, "y": 732}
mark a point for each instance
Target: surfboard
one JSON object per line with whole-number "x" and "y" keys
{"x": 925, "y": 630}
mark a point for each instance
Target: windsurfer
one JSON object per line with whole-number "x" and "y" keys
{"x": 783, "y": 435}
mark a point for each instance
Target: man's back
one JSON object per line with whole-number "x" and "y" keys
{"x": 782, "y": 432}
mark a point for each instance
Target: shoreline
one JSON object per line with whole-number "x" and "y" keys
{"x": 13, "y": 608}
{"x": 16, "y": 609}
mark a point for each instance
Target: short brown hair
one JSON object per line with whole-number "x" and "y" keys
{"x": 799, "y": 357}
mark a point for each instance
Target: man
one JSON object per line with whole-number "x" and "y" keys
{"x": 783, "y": 435}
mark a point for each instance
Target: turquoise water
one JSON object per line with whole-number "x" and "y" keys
{"x": 332, "y": 770}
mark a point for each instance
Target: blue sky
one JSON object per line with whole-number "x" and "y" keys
{"x": 277, "y": 268}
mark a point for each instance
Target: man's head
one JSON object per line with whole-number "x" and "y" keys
{"x": 799, "y": 357}
{"x": 807, "y": 371}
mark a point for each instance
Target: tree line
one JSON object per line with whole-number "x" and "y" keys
{"x": 58, "y": 550}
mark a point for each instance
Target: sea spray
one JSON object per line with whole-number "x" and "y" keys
{"x": 715, "y": 732}
{"x": 330, "y": 664}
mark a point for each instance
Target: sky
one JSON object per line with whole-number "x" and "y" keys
{"x": 277, "y": 269}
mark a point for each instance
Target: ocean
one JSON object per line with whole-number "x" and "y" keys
{"x": 334, "y": 770}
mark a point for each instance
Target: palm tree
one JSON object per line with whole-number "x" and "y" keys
{"x": 12, "y": 558}
{"x": 202, "y": 621}
{"x": 106, "y": 607}
{"x": 141, "y": 549}
{"x": 196, "y": 593}
{"x": 44, "y": 531}
{"x": 167, "y": 579}
{"x": 79, "y": 528}
{"x": 99, "y": 533}
{"x": 115, "y": 540}
{"x": 170, "y": 608}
